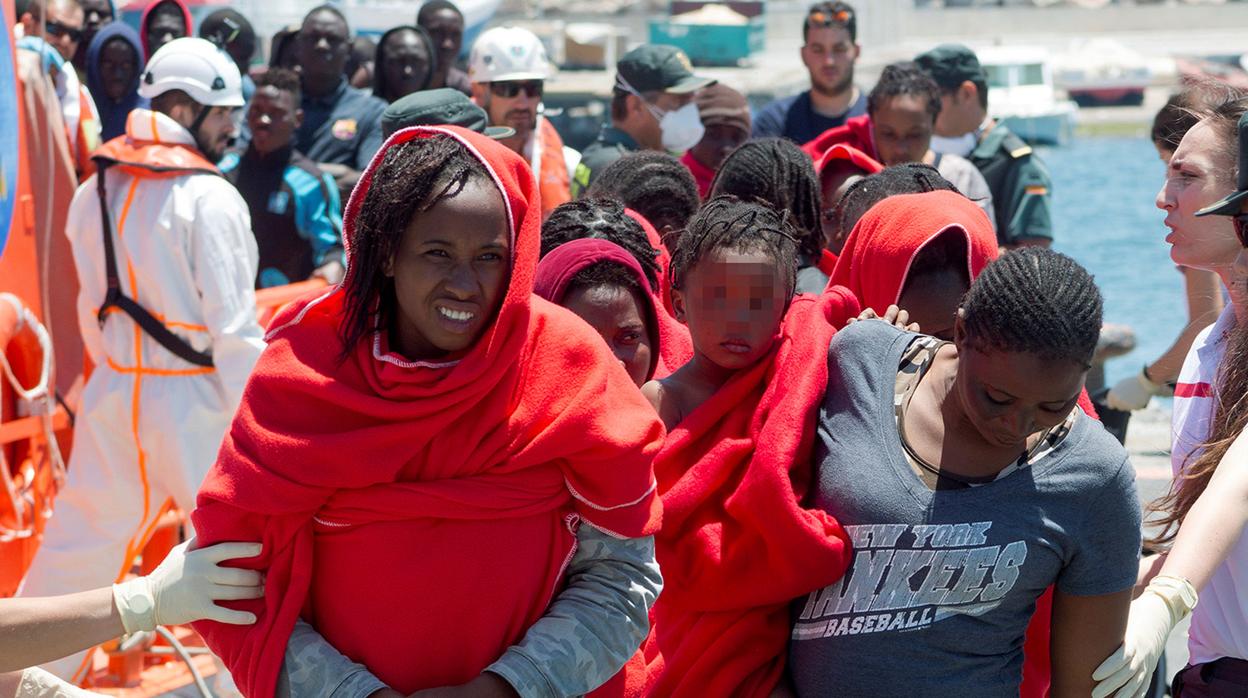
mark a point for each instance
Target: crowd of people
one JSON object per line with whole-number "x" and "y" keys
{"x": 786, "y": 402}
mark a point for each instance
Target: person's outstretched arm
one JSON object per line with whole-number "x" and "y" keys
{"x": 183, "y": 588}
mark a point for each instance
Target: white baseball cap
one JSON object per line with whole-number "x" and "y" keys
{"x": 508, "y": 53}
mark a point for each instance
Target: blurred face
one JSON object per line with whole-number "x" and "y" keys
{"x": 119, "y": 64}
{"x": 932, "y": 301}
{"x": 1196, "y": 177}
{"x": 618, "y": 315}
{"x": 1008, "y": 396}
{"x": 165, "y": 24}
{"x": 960, "y": 112}
{"x": 717, "y": 142}
{"x": 95, "y": 14}
{"x": 406, "y": 63}
{"x": 903, "y": 129}
{"x": 321, "y": 50}
{"x": 215, "y": 131}
{"x": 450, "y": 273}
{"x": 272, "y": 117}
{"x": 829, "y": 56}
{"x": 64, "y": 25}
{"x": 512, "y": 103}
{"x": 834, "y": 183}
{"x": 733, "y": 303}
{"x": 447, "y": 29}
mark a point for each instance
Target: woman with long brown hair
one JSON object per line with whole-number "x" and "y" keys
{"x": 1202, "y": 519}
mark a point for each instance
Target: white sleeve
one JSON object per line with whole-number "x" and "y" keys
{"x": 224, "y": 259}
{"x": 83, "y": 228}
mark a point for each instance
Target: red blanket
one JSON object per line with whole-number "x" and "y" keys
{"x": 855, "y": 133}
{"x": 420, "y": 515}
{"x": 878, "y": 253}
{"x": 677, "y": 346}
{"x": 736, "y": 545}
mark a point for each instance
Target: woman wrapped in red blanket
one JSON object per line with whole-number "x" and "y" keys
{"x": 421, "y": 449}
{"x": 736, "y": 545}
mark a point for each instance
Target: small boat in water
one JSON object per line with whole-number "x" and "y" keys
{"x": 1021, "y": 94}
{"x": 1101, "y": 72}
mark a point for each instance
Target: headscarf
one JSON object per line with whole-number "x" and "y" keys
{"x": 147, "y": 13}
{"x": 379, "y": 75}
{"x": 855, "y": 132}
{"x": 557, "y": 269}
{"x": 113, "y": 113}
{"x": 420, "y": 513}
{"x": 878, "y": 253}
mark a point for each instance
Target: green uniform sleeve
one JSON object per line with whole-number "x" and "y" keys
{"x": 1030, "y": 193}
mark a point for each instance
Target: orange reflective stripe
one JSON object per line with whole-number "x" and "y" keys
{"x": 174, "y": 372}
{"x": 155, "y": 129}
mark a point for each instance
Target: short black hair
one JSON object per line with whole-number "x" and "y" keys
{"x": 412, "y": 177}
{"x": 602, "y": 219}
{"x": 654, "y": 184}
{"x": 906, "y": 178}
{"x": 905, "y": 78}
{"x": 777, "y": 172}
{"x": 283, "y": 79}
{"x": 332, "y": 10}
{"x": 730, "y": 223}
{"x": 428, "y": 9}
{"x": 838, "y": 14}
{"x": 1034, "y": 300}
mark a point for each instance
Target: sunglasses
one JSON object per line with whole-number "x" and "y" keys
{"x": 58, "y": 29}
{"x": 1240, "y": 221}
{"x": 822, "y": 18}
{"x": 510, "y": 88}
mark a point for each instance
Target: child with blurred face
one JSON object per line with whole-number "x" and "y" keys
{"x": 733, "y": 273}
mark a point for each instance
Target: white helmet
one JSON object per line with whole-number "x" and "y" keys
{"x": 508, "y": 53}
{"x": 198, "y": 68}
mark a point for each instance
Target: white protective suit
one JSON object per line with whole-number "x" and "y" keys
{"x": 150, "y": 423}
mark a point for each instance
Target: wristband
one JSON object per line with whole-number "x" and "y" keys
{"x": 1178, "y": 593}
{"x": 136, "y": 604}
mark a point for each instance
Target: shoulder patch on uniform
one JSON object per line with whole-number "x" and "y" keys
{"x": 1020, "y": 151}
{"x": 1036, "y": 190}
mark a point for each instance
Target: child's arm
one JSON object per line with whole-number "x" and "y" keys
{"x": 663, "y": 402}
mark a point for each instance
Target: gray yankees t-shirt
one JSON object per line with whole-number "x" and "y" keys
{"x": 943, "y": 583}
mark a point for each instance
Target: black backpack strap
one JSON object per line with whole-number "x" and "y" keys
{"x": 114, "y": 298}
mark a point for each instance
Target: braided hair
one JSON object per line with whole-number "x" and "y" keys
{"x": 907, "y": 178}
{"x": 654, "y": 184}
{"x": 411, "y": 179}
{"x": 602, "y": 219}
{"x": 1037, "y": 301}
{"x": 729, "y": 223}
{"x": 776, "y": 171}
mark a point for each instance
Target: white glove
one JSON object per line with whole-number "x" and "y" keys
{"x": 1133, "y": 393}
{"x": 186, "y": 585}
{"x": 1166, "y": 601}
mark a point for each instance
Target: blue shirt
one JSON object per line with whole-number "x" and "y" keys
{"x": 342, "y": 127}
{"x": 795, "y": 118}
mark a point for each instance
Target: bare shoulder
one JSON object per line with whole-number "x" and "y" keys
{"x": 664, "y": 400}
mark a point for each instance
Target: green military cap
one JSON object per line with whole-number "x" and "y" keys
{"x": 951, "y": 65}
{"x": 441, "y": 107}
{"x": 1230, "y": 205}
{"x": 658, "y": 68}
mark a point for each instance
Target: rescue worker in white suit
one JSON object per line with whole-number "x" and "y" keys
{"x": 167, "y": 265}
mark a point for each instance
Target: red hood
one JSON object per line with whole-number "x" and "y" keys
{"x": 147, "y": 11}
{"x": 855, "y": 132}
{"x": 880, "y": 249}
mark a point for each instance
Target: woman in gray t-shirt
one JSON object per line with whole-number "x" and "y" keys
{"x": 969, "y": 483}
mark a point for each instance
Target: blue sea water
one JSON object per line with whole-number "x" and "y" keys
{"x": 1104, "y": 217}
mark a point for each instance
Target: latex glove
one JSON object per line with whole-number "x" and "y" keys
{"x": 1153, "y": 615}
{"x": 37, "y": 683}
{"x": 1133, "y": 393}
{"x": 186, "y": 585}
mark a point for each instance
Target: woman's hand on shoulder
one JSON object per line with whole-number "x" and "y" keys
{"x": 486, "y": 685}
{"x": 894, "y": 316}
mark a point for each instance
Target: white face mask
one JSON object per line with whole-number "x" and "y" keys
{"x": 959, "y": 145}
{"x": 681, "y": 129}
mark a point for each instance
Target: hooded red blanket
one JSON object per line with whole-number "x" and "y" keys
{"x": 736, "y": 545}
{"x": 855, "y": 133}
{"x": 677, "y": 346}
{"x": 878, "y": 253}
{"x": 420, "y": 515}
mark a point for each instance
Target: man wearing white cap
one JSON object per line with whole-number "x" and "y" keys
{"x": 508, "y": 68}
{"x": 166, "y": 265}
